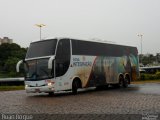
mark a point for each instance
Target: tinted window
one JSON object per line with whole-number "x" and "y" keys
{"x": 62, "y": 57}
{"x": 100, "y": 49}
{"x": 41, "y": 48}
{"x": 37, "y": 70}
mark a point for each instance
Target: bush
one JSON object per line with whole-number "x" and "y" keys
{"x": 10, "y": 74}
{"x": 158, "y": 75}
{"x": 144, "y": 76}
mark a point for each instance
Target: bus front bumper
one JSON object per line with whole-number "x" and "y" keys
{"x": 41, "y": 89}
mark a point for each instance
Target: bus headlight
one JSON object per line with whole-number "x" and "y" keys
{"x": 26, "y": 85}
{"x": 50, "y": 84}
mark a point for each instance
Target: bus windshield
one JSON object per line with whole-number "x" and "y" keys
{"x": 37, "y": 70}
{"x": 41, "y": 48}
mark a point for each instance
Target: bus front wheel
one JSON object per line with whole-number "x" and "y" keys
{"x": 75, "y": 86}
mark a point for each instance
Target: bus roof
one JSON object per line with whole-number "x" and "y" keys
{"x": 89, "y": 40}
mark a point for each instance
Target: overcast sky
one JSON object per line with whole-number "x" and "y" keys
{"x": 112, "y": 20}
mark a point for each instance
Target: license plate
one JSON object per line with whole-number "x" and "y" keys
{"x": 37, "y": 90}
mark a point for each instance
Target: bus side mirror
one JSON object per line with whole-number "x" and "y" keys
{"x": 50, "y": 61}
{"x": 18, "y": 65}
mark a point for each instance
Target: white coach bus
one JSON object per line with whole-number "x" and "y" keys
{"x": 68, "y": 64}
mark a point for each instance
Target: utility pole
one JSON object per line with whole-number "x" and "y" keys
{"x": 140, "y": 35}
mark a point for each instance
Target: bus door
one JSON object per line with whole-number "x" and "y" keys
{"x": 62, "y": 61}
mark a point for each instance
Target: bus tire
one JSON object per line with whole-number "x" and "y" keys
{"x": 75, "y": 86}
{"x": 126, "y": 82}
{"x": 121, "y": 81}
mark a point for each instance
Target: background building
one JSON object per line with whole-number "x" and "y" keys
{"x": 5, "y": 40}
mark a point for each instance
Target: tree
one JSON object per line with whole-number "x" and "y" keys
{"x": 158, "y": 57}
{"x": 150, "y": 59}
{"x": 10, "y": 54}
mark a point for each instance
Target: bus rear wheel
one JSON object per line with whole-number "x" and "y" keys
{"x": 126, "y": 82}
{"x": 121, "y": 81}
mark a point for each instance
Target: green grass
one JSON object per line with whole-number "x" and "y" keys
{"x": 10, "y": 88}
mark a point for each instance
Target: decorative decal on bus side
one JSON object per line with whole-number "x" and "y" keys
{"x": 78, "y": 63}
{"x": 106, "y": 69}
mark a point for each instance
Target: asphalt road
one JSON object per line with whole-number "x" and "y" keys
{"x": 136, "y": 99}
